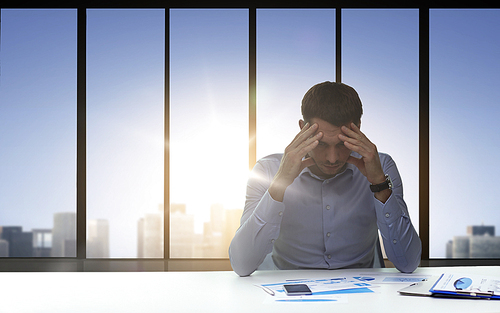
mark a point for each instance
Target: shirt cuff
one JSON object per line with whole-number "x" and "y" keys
{"x": 270, "y": 210}
{"x": 389, "y": 211}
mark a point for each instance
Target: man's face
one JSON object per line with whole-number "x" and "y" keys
{"x": 330, "y": 155}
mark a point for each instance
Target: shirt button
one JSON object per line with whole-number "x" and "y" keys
{"x": 394, "y": 241}
{"x": 328, "y": 207}
{"x": 280, "y": 213}
{"x": 387, "y": 215}
{"x": 272, "y": 240}
{"x": 328, "y": 234}
{"x": 329, "y": 256}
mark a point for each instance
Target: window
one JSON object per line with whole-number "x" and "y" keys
{"x": 125, "y": 102}
{"x": 38, "y": 133}
{"x": 208, "y": 129}
{"x": 295, "y": 50}
{"x": 464, "y": 145}
{"x": 380, "y": 60}
{"x": 209, "y": 51}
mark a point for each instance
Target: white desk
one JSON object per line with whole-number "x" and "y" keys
{"x": 211, "y": 292}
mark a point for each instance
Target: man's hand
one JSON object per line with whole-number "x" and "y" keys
{"x": 292, "y": 162}
{"x": 369, "y": 163}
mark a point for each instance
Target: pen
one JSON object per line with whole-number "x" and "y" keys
{"x": 269, "y": 291}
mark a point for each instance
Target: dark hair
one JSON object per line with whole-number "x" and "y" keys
{"x": 335, "y": 103}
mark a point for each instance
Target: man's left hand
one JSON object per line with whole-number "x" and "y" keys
{"x": 369, "y": 163}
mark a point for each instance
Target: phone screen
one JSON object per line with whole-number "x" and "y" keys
{"x": 297, "y": 289}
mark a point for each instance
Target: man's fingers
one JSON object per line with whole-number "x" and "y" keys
{"x": 359, "y": 163}
{"x": 305, "y": 133}
{"x": 307, "y": 162}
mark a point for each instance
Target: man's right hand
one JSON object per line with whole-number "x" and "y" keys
{"x": 293, "y": 161}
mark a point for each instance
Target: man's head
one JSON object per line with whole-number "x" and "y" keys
{"x": 331, "y": 106}
{"x": 335, "y": 103}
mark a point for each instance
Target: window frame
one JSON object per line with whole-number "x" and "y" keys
{"x": 81, "y": 263}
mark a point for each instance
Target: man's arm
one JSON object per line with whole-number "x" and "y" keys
{"x": 261, "y": 219}
{"x": 401, "y": 242}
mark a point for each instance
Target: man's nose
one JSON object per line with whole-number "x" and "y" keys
{"x": 332, "y": 154}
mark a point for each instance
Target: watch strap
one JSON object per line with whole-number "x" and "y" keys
{"x": 387, "y": 184}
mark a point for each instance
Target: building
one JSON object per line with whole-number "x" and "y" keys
{"x": 64, "y": 235}
{"x": 150, "y": 235}
{"x": 182, "y": 234}
{"x": 20, "y": 243}
{"x": 98, "y": 238}
{"x": 4, "y": 248}
{"x": 480, "y": 242}
{"x": 42, "y": 242}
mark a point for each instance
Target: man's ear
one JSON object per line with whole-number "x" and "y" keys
{"x": 301, "y": 124}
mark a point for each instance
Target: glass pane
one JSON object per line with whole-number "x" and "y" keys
{"x": 209, "y": 129}
{"x": 295, "y": 50}
{"x": 380, "y": 60}
{"x": 38, "y": 133}
{"x": 464, "y": 75}
{"x": 125, "y": 130}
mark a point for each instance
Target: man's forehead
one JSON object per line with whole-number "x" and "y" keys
{"x": 327, "y": 128}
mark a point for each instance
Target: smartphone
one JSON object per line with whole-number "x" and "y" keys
{"x": 297, "y": 289}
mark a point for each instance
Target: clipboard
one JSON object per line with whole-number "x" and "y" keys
{"x": 466, "y": 286}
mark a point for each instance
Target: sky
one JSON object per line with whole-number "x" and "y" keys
{"x": 209, "y": 108}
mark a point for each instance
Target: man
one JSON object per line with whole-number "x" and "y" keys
{"x": 321, "y": 203}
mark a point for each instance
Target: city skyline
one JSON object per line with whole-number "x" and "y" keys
{"x": 60, "y": 241}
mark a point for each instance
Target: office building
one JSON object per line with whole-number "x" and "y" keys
{"x": 98, "y": 238}
{"x": 20, "y": 243}
{"x": 150, "y": 236}
{"x": 484, "y": 247}
{"x": 460, "y": 247}
{"x": 42, "y": 242}
{"x": 480, "y": 242}
{"x": 64, "y": 235}
{"x": 4, "y": 248}
{"x": 481, "y": 230}
{"x": 181, "y": 234}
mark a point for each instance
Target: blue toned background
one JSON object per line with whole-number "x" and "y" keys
{"x": 209, "y": 98}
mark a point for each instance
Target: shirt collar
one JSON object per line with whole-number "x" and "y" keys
{"x": 349, "y": 170}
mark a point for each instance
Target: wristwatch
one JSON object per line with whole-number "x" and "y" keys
{"x": 383, "y": 186}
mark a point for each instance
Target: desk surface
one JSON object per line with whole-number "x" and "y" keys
{"x": 211, "y": 292}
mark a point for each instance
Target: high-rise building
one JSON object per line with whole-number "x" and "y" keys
{"x": 64, "y": 235}
{"x": 42, "y": 242}
{"x": 484, "y": 246}
{"x": 460, "y": 248}
{"x": 150, "y": 236}
{"x": 480, "y": 230}
{"x": 20, "y": 243}
{"x": 480, "y": 242}
{"x": 181, "y": 234}
{"x": 4, "y": 248}
{"x": 98, "y": 238}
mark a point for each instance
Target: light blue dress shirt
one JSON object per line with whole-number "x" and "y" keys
{"x": 323, "y": 223}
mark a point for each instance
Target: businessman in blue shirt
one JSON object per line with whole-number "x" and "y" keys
{"x": 321, "y": 203}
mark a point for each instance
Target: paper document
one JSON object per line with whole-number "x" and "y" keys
{"x": 464, "y": 285}
{"x": 323, "y": 286}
